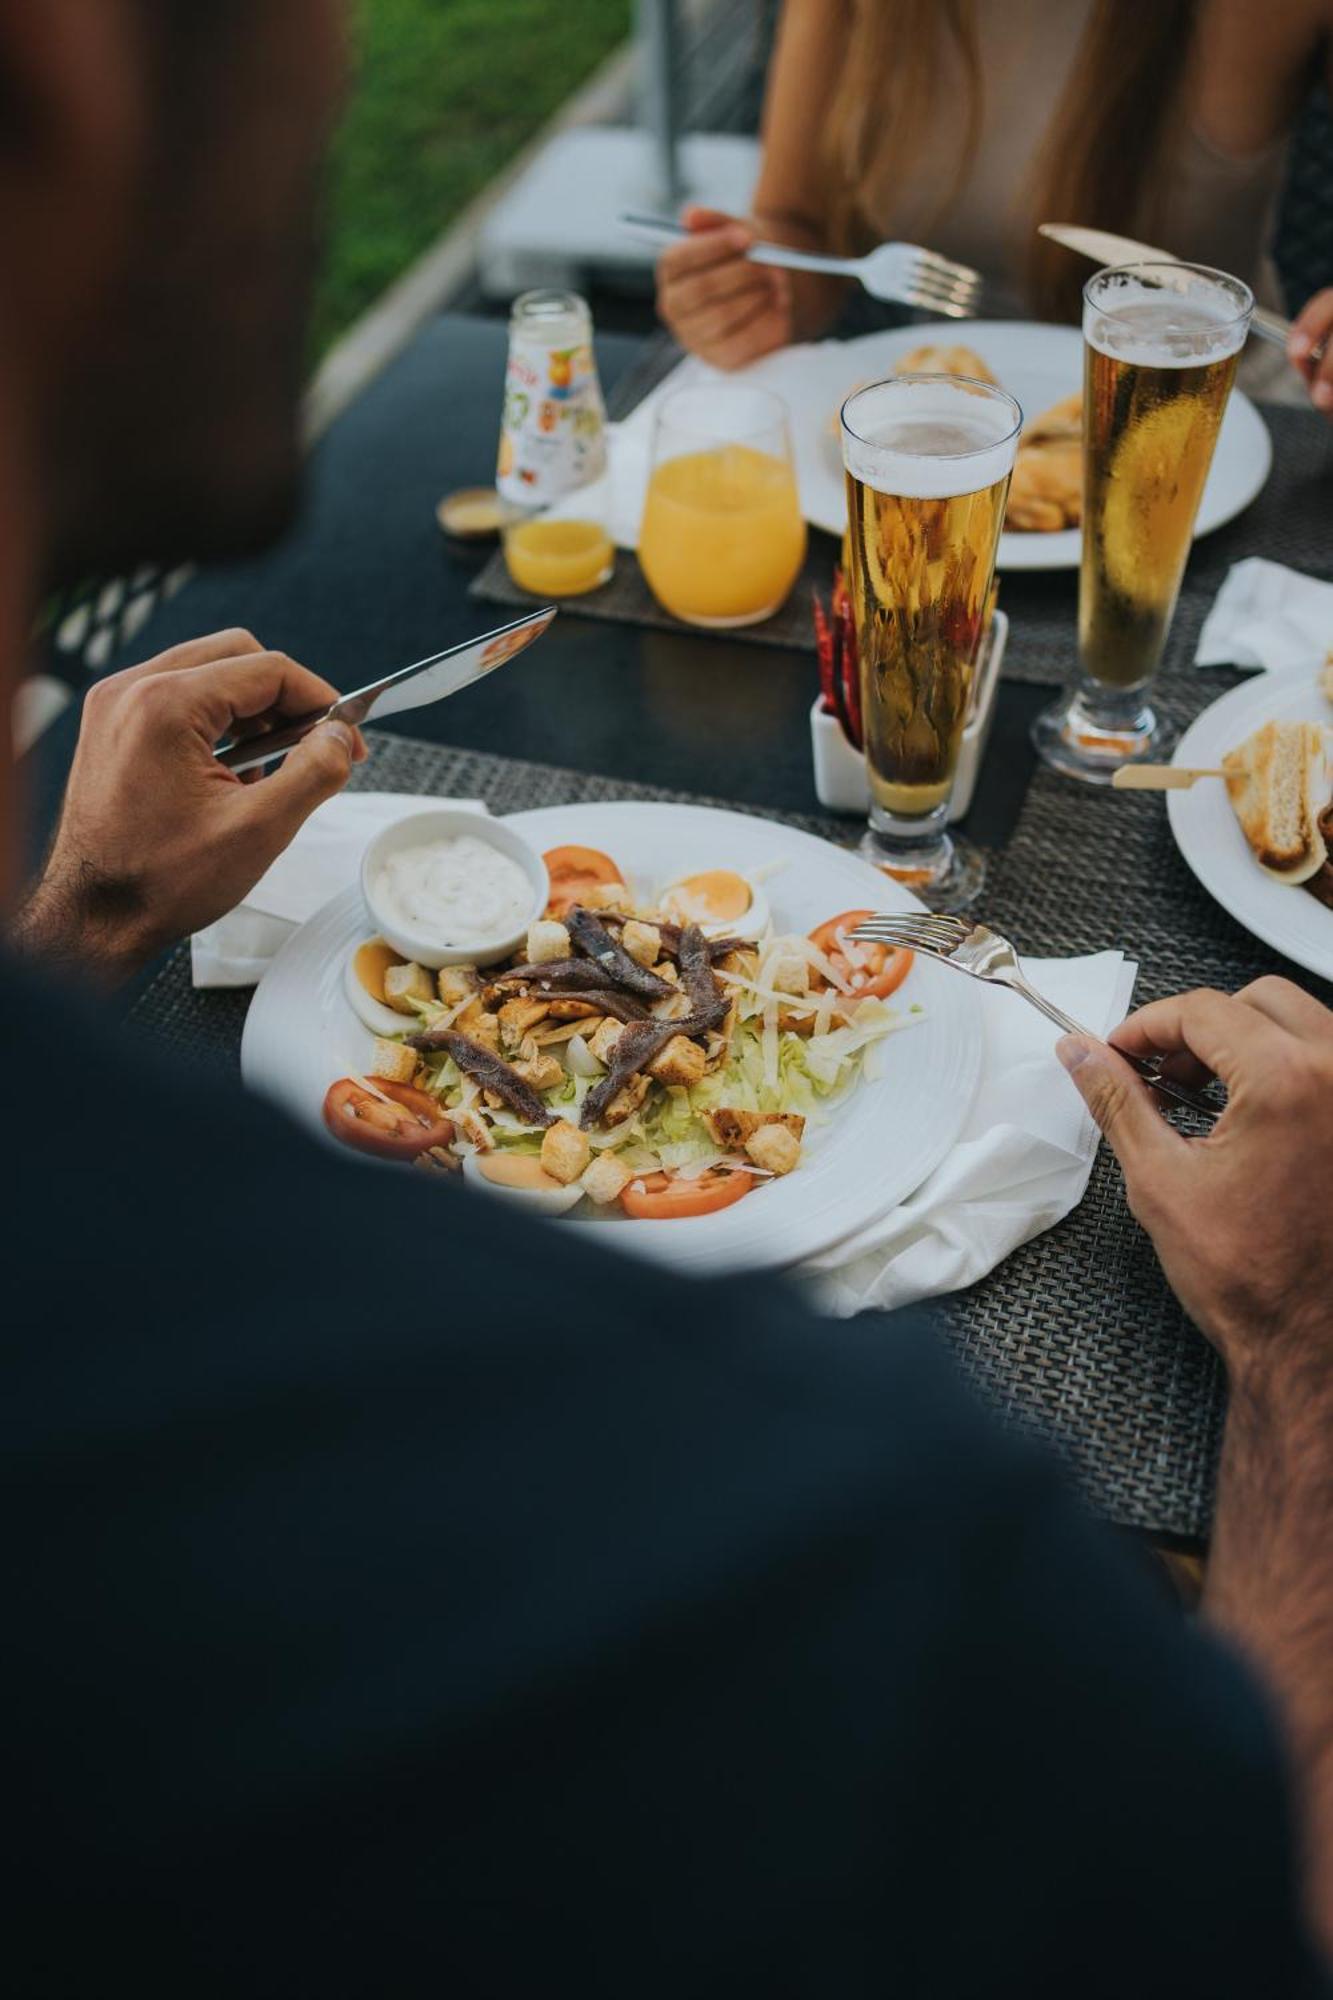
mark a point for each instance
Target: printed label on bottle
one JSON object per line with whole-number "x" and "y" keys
{"x": 553, "y": 429}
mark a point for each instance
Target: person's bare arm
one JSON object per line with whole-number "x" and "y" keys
{"x": 1252, "y": 67}
{"x": 1241, "y": 1222}
{"x": 156, "y": 839}
{"x": 791, "y": 199}
{"x": 718, "y": 305}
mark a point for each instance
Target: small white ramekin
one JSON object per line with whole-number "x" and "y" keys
{"x": 447, "y": 823}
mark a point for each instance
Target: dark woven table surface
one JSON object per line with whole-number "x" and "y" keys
{"x": 1076, "y": 1335}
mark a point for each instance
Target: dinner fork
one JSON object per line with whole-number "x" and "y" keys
{"x": 900, "y": 271}
{"x": 978, "y": 951}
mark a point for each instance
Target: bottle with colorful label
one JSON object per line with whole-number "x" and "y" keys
{"x": 551, "y": 475}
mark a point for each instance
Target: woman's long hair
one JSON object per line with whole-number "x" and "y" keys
{"x": 1105, "y": 152}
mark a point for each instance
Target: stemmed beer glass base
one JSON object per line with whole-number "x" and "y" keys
{"x": 1078, "y": 744}
{"x": 944, "y": 873}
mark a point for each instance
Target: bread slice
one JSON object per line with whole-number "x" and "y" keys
{"x": 1277, "y": 782}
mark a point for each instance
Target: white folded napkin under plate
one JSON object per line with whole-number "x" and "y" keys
{"x": 1021, "y": 1162}
{"x": 323, "y": 859}
{"x": 1267, "y": 616}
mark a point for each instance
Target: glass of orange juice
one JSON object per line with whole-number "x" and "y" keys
{"x": 722, "y": 539}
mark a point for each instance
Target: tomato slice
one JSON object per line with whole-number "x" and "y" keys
{"x": 412, "y": 1124}
{"x": 666, "y": 1195}
{"x": 885, "y": 966}
{"x": 575, "y": 870}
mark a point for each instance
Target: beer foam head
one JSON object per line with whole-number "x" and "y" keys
{"x": 1166, "y": 315}
{"x": 929, "y": 437}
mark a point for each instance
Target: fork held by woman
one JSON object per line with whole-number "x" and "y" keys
{"x": 727, "y": 296}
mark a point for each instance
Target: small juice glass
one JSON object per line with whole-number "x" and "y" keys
{"x": 722, "y": 539}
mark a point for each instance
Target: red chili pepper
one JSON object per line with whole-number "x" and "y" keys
{"x": 851, "y": 674}
{"x": 824, "y": 654}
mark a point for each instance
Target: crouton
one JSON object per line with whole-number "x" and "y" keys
{"x": 565, "y": 1152}
{"x": 456, "y": 983}
{"x": 394, "y": 1062}
{"x": 676, "y": 1007}
{"x": 601, "y": 1045}
{"x": 775, "y": 1148}
{"x": 480, "y": 1026}
{"x": 740, "y": 964}
{"x": 555, "y": 1031}
{"x": 404, "y": 984}
{"x": 517, "y": 1017}
{"x": 606, "y": 1179}
{"x": 547, "y": 940}
{"x": 643, "y": 942}
{"x": 627, "y": 1101}
{"x": 666, "y": 970}
{"x": 573, "y": 1010}
{"x": 609, "y": 896}
{"x": 731, "y": 1128}
{"x": 542, "y": 1071}
{"x": 473, "y": 1127}
{"x": 790, "y": 974}
{"x": 681, "y": 1061}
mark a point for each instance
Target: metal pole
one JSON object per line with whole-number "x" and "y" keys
{"x": 659, "y": 111}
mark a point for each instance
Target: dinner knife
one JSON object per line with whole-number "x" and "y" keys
{"x": 1101, "y": 246}
{"x": 425, "y": 681}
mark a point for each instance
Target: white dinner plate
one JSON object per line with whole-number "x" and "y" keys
{"x": 1208, "y": 833}
{"x": 1038, "y": 365}
{"x": 879, "y": 1143}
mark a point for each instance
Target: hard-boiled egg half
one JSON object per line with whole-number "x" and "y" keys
{"x": 363, "y": 982}
{"x": 523, "y": 1179}
{"x": 721, "y": 901}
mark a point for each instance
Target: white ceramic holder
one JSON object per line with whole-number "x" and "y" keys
{"x": 840, "y": 770}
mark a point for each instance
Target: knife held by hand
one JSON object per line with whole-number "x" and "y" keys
{"x": 425, "y": 681}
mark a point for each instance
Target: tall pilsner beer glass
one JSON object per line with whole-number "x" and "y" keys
{"x": 928, "y": 459}
{"x": 1161, "y": 344}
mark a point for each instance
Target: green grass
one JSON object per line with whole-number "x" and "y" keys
{"x": 444, "y": 94}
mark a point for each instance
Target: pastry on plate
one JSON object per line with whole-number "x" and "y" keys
{"x": 1278, "y": 784}
{"x": 1046, "y": 491}
{"x": 1062, "y": 423}
{"x": 935, "y": 360}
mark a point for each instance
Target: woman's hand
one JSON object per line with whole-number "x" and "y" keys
{"x": 1310, "y": 349}
{"x": 156, "y": 838}
{"x": 717, "y": 304}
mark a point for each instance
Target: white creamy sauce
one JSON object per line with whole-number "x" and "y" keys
{"x": 454, "y": 891}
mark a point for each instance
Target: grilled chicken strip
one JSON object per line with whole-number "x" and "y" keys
{"x": 489, "y": 1070}
{"x": 592, "y": 936}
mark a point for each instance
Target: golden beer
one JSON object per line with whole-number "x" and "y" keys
{"x": 921, "y": 575}
{"x": 1161, "y": 344}
{"x": 928, "y": 459}
{"x": 1148, "y": 443}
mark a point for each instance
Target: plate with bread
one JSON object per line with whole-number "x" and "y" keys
{"x": 1042, "y": 366}
{"x": 1259, "y": 834}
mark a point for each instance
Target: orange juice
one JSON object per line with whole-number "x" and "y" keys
{"x": 722, "y": 540}
{"x": 558, "y": 558}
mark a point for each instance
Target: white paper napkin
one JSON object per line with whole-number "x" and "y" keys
{"x": 322, "y": 860}
{"x": 1021, "y": 1162}
{"x": 1266, "y": 615}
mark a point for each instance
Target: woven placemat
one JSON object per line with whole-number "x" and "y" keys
{"x": 1077, "y": 1336}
